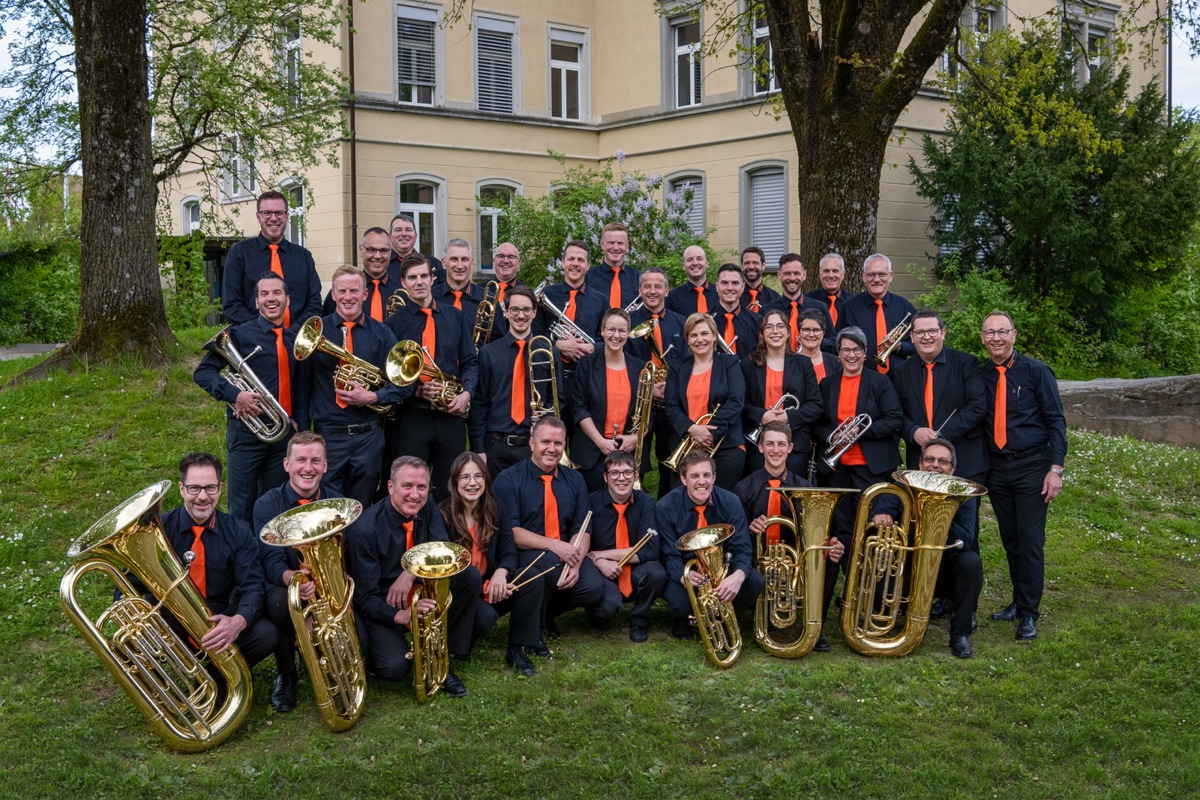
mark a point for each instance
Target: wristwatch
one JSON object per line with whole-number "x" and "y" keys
{"x": 1059, "y": 471}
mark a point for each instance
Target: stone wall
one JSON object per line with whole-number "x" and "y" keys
{"x": 1155, "y": 409}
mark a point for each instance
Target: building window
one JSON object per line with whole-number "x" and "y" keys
{"x": 765, "y": 210}
{"x": 297, "y": 222}
{"x": 764, "y": 65}
{"x": 568, "y": 86}
{"x": 416, "y": 68}
{"x": 238, "y": 176}
{"x": 689, "y": 189}
{"x": 189, "y": 215}
{"x": 418, "y": 199}
{"x": 495, "y": 88}
{"x": 982, "y": 20}
{"x": 291, "y": 56}
{"x": 494, "y": 202}
{"x": 686, "y": 65}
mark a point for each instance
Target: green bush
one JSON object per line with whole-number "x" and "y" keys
{"x": 39, "y": 291}
{"x": 186, "y": 293}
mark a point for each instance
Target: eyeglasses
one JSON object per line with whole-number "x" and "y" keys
{"x": 192, "y": 490}
{"x": 469, "y": 477}
{"x": 876, "y": 276}
{"x": 517, "y": 312}
{"x": 936, "y": 462}
{"x": 811, "y": 331}
{"x": 775, "y": 327}
{"x": 615, "y": 332}
{"x": 851, "y": 351}
{"x": 505, "y": 257}
{"x": 999, "y": 333}
{"x": 377, "y": 251}
{"x": 926, "y": 334}
{"x": 273, "y": 214}
{"x": 620, "y": 473}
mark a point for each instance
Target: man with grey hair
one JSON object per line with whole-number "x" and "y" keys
{"x": 830, "y": 293}
{"x": 457, "y": 289}
{"x": 878, "y": 311}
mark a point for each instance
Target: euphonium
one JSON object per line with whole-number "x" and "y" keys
{"x": 433, "y": 563}
{"x": 893, "y": 339}
{"x": 562, "y": 327}
{"x": 351, "y": 368}
{"x": 397, "y": 301}
{"x": 415, "y": 362}
{"x": 716, "y": 621}
{"x": 844, "y": 436}
{"x": 795, "y": 575}
{"x": 149, "y": 660}
{"x": 330, "y": 649}
{"x": 789, "y": 402}
{"x": 539, "y": 366}
{"x": 688, "y": 444}
{"x": 875, "y": 579}
{"x": 643, "y": 408}
{"x": 277, "y": 422}
{"x": 485, "y": 315}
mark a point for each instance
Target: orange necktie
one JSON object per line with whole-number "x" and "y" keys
{"x": 408, "y": 534}
{"x": 880, "y": 332}
{"x": 350, "y": 349}
{"x": 196, "y": 568}
{"x": 457, "y": 299}
{"x": 376, "y": 302}
{"x": 729, "y": 334}
{"x": 614, "y": 291}
{"x": 753, "y": 296}
{"x": 625, "y": 581}
{"x": 500, "y": 292}
{"x": 1000, "y": 425}
{"x": 701, "y": 522}
{"x": 657, "y": 339}
{"x": 701, "y": 302}
{"x": 277, "y": 268}
{"x": 569, "y": 311}
{"x": 794, "y": 324}
{"x": 929, "y": 394}
{"x": 519, "y": 411}
{"x": 303, "y": 501}
{"x": 833, "y": 309}
{"x": 773, "y": 511}
{"x": 285, "y": 374}
{"x": 550, "y": 508}
{"x": 429, "y": 338}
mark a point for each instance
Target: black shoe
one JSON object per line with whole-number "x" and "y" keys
{"x": 1006, "y": 614}
{"x": 822, "y": 645}
{"x": 681, "y": 628}
{"x": 974, "y": 624}
{"x": 516, "y": 658}
{"x": 551, "y": 630}
{"x": 942, "y": 607}
{"x": 1026, "y": 629}
{"x": 453, "y": 685}
{"x": 602, "y": 625}
{"x": 638, "y": 633}
{"x": 960, "y": 647}
{"x": 540, "y": 650}
{"x": 283, "y": 693}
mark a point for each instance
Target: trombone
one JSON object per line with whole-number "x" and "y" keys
{"x": 350, "y": 368}
{"x": 789, "y": 402}
{"x": 244, "y": 379}
{"x": 415, "y": 363}
{"x": 539, "y": 358}
{"x": 485, "y": 315}
{"x": 893, "y": 339}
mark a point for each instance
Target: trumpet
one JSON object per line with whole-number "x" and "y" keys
{"x": 434, "y": 563}
{"x": 539, "y": 357}
{"x": 562, "y": 327}
{"x": 277, "y": 422}
{"x": 351, "y": 368}
{"x": 397, "y": 301}
{"x": 634, "y": 305}
{"x": 893, "y": 339}
{"x": 716, "y": 621}
{"x": 844, "y": 437}
{"x": 688, "y": 444}
{"x": 789, "y": 402}
{"x": 415, "y": 363}
{"x": 485, "y": 315}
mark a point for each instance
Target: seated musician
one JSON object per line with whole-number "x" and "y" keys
{"x": 698, "y": 503}
{"x": 620, "y": 519}
{"x": 473, "y": 519}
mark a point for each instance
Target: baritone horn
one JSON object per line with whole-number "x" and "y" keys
{"x": 794, "y": 574}
{"x": 716, "y": 621}
{"x": 273, "y": 424}
{"x": 485, "y": 314}
{"x": 876, "y": 577}
{"x": 789, "y": 402}
{"x": 330, "y": 648}
{"x": 893, "y": 339}
{"x": 414, "y": 363}
{"x": 155, "y": 666}
{"x": 688, "y": 444}
{"x": 433, "y": 563}
{"x": 351, "y": 368}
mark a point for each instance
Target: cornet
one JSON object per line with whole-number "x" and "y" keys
{"x": 415, "y": 363}
{"x": 688, "y": 444}
{"x": 351, "y": 368}
{"x": 243, "y": 379}
{"x": 893, "y": 339}
{"x": 634, "y": 305}
{"x": 844, "y": 437}
{"x": 789, "y": 402}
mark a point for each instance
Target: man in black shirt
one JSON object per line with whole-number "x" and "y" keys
{"x": 832, "y": 273}
{"x": 381, "y": 271}
{"x": 757, "y": 294}
{"x": 404, "y": 242}
{"x": 697, "y": 295}
{"x": 736, "y": 325}
{"x": 878, "y": 311}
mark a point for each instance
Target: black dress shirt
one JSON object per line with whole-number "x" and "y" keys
{"x": 388, "y": 285}
{"x": 589, "y": 400}
{"x": 233, "y": 574}
{"x": 876, "y": 398}
{"x": 469, "y": 299}
{"x": 277, "y": 560}
{"x": 745, "y": 328}
{"x": 1035, "y": 413}
{"x": 800, "y": 381}
{"x": 822, "y": 297}
{"x": 804, "y": 303}
{"x": 670, "y": 324}
{"x": 258, "y": 332}
{"x": 375, "y": 543}
{"x": 435, "y": 266}
{"x": 491, "y": 406}
{"x": 682, "y": 299}
{"x": 752, "y": 491}
{"x": 860, "y": 310}
{"x": 958, "y": 390}
{"x": 726, "y": 386}
{"x": 456, "y": 354}
{"x": 676, "y": 515}
{"x": 248, "y": 260}
{"x": 600, "y": 278}
{"x": 520, "y": 492}
{"x": 639, "y": 517}
{"x": 763, "y": 295}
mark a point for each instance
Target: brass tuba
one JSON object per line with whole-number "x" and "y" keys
{"x": 148, "y": 659}
{"x": 277, "y": 422}
{"x": 485, "y": 314}
{"x": 414, "y": 363}
{"x": 433, "y": 563}
{"x": 688, "y": 444}
{"x": 351, "y": 368}
{"x": 717, "y": 621}
{"x": 539, "y": 357}
{"x": 330, "y": 649}
{"x": 795, "y": 575}
{"x": 875, "y": 579}
{"x": 893, "y": 339}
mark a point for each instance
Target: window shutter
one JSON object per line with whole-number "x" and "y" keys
{"x": 768, "y": 213}
{"x": 415, "y": 51}
{"x": 494, "y": 54}
{"x": 695, "y": 212}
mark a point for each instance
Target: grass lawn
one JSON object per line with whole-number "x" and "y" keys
{"x": 1104, "y": 704}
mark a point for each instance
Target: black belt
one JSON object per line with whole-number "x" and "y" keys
{"x": 338, "y": 430}
{"x": 1037, "y": 451}
{"x": 512, "y": 440}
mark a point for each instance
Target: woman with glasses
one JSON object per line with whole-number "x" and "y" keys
{"x": 770, "y": 372}
{"x": 706, "y": 381}
{"x": 605, "y": 392}
{"x": 473, "y": 521}
{"x": 811, "y": 327}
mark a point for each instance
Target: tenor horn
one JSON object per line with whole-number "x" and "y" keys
{"x": 350, "y": 368}
{"x": 274, "y": 423}
{"x": 716, "y": 621}
{"x": 875, "y": 579}
{"x": 415, "y": 362}
{"x": 330, "y": 647}
{"x": 152, "y": 663}
{"x": 433, "y": 563}
{"x": 689, "y": 444}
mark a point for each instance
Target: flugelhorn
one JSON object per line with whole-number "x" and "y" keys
{"x": 148, "y": 659}
{"x": 876, "y": 576}
{"x": 688, "y": 444}
{"x": 274, "y": 422}
{"x": 562, "y": 327}
{"x": 416, "y": 362}
{"x": 351, "y": 368}
{"x": 893, "y": 339}
{"x": 716, "y": 621}
{"x": 330, "y": 649}
{"x": 433, "y": 564}
{"x": 789, "y": 402}
{"x": 845, "y": 436}
{"x": 485, "y": 314}
{"x": 540, "y": 368}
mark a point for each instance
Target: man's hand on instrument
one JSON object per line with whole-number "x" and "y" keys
{"x": 730, "y": 586}
{"x": 460, "y": 404}
{"x": 308, "y": 589}
{"x": 758, "y": 524}
{"x": 397, "y": 594}
{"x": 356, "y": 395}
{"x": 247, "y": 405}
{"x": 223, "y": 633}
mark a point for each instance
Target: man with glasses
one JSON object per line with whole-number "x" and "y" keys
{"x": 382, "y": 273}
{"x": 506, "y": 263}
{"x": 877, "y": 311}
{"x": 270, "y": 251}
{"x": 1026, "y": 434}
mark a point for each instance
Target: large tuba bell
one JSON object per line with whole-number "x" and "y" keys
{"x": 274, "y": 422}
{"x": 875, "y": 580}
{"x": 485, "y": 314}
{"x": 351, "y": 368}
{"x": 539, "y": 366}
{"x": 716, "y": 621}
{"x": 794, "y": 574}
{"x": 433, "y": 563}
{"x": 688, "y": 444}
{"x": 330, "y": 648}
{"x": 415, "y": 363}
{"x": 154, "y": 665}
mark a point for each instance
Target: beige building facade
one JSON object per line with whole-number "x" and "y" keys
{"x": 446, "y": 114}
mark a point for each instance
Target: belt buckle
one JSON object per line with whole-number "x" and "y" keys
{"x": 510, "y": 437}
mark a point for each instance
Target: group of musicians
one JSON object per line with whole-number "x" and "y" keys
{"x": 748, "y": 385}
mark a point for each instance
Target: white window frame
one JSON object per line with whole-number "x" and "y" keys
{"x": 494, "y": 28}
{"x": 297, "y": 227}
{"x": 747, "y": 223}
{"x": 292, "y": 53}
{"x": 697, "y": 213}
{"x": 489, "y": 216}
{"x": 425, "y": 15}
{"x": 761, "y": 37}
{"x": 437, "y": 210}
{"x": 972, "y": 18}
{"x": 187, "y": 225}
{"x": 1089, "y": 22}
{"x": 577, "y": 38}
{"x": 238, "y": 176}
{"x": 695, "y": 63}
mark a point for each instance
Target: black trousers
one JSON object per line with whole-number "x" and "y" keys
{"x": 433, "y": 436}
{"x": 501, "y": 455}
{"x": 280, "y": 616}
{"x": 1015, "y": 490}
{"x": 730, "y": 461}
{"x": 255, "y": 643}
{"x": 587, "y": 593}
{"x": 961, "y": 578}
{"x": 254, "y": 467}
{"x": 676, "y": 596}
{"x": 525, "y": 605}
{"x": 842, "y": 526}
{"x": 648, "y": 579}
{"x": 355, "y": 463}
